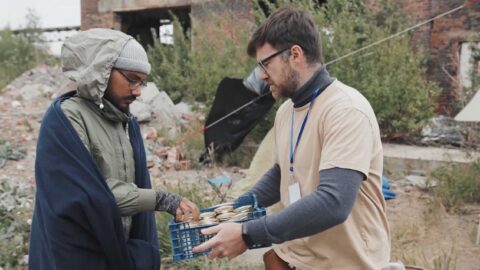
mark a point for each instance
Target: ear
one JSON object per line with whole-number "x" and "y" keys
{"x": 297, "y": 53}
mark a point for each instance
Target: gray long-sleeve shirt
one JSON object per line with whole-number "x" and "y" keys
{"x": 328, "y": 206}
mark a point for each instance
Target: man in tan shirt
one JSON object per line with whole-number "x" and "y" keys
{"x": 328, "y": 162}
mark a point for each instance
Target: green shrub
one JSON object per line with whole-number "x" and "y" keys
{"x": 194, "y": 75}
{"x": 390, "y": 75}
{"x": 457, "y": 184}
{"x": 22, "y": 51}
{"x": 15, "y": 209}
{"x": 16, "y": 56}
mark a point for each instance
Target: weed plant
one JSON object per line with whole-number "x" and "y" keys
{"x": 458, "y": 184}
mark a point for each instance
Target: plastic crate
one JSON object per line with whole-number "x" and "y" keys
{"x": 184, "y": 238}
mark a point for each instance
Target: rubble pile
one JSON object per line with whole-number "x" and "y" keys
{"x": 34, "y": 89}
{"x": 24, "y": 101}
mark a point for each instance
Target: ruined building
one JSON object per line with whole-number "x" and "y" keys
{"x": 138, "y": 17}
{"x": 448, "y": 41}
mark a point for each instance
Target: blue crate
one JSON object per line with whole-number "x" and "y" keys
{"x": 185, "y": 238}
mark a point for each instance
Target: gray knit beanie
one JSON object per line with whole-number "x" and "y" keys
{"x": 133, "y": 58}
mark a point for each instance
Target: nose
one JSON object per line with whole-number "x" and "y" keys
{"x": 137, "y": 91}
{"x": 263, "y": 75}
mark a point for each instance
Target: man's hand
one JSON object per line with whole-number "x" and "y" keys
{"x": 187, "y": 211}
{"x": 227, "y": 242}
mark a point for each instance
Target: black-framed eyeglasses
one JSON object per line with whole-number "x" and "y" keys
{"x": 132, "y": 83}
{"x": 264, "y": 62}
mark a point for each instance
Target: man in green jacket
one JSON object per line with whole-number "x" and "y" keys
{"x": 110, "y": 69}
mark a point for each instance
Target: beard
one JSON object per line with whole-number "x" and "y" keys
{"x": 290, "y": 84}
{"x": 120, "y": 102}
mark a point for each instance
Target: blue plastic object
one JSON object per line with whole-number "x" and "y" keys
{"x": 185, "y": 238}
{"x": 220, "y": 180}
{"x": 388, "y": 193}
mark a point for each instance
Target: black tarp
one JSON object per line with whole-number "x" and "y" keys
{"x": 229, "y": 133}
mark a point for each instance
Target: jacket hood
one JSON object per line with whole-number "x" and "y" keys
{"x": 88, "y": 58}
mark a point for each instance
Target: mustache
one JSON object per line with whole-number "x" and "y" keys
{"x": 133, "y": 98}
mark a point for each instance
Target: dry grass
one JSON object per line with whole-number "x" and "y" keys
{"x": 426, "y": 235}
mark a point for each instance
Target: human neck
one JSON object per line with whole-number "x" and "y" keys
{"x": 307, "y": 74}
{"x": 317, "y": 81}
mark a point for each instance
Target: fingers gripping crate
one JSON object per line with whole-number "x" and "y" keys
{"x": 186, "y": 236}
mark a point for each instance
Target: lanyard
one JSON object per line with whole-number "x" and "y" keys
{"x": 292, "y": 150}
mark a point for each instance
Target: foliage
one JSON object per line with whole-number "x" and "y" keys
{"x": 10, "y": 152}
{"x": 16, "y": 56}
{"x": 457, "y": 184}
{"x": 170, "y": 64}
{"x": 390, "y": 75}
{"x": 446, "y": 261}
{"x": 193, "y": 74}
{"x": 15, "y": 209}
{"x": 20, "y": 52}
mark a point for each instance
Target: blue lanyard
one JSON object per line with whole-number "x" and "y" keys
{"x": 292, "y": 150}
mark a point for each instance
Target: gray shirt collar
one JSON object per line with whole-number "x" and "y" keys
{"x": 320, "y": 79}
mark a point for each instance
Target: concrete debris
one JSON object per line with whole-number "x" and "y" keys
{"x": 157, "y": 105}
{"x": 442, "y": 130}
{"x": 167, "y": 158}
{"x": 42, "y": 81}
{"x": 141, "y": 111}
{"x": 183, "y": 108}
{"x": 32, "y": 92}
{"x": 173, "y": 155}
{"x": 420, "y": 181}
{"x": 150, "y": 133}
{"x": 16, "y": 104}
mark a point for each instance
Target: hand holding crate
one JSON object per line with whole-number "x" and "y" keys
{"x": 187, "y": 235}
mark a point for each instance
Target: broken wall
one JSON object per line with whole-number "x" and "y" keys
{"x": 138, "y": 17}
{"x": 442, "y": 39}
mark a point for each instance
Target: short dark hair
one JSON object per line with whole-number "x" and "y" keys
{"x": 286, "y": 27}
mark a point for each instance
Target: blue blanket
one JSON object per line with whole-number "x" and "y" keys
{"x": 76, "y": 223}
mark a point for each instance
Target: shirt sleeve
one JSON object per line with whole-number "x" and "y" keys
{"x": 328, "y": 206}
{"x": 267, "y": 189}
{"x": 130, "y": 199}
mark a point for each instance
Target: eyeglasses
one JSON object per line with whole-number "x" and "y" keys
{"x": 133, "y": 84}
{"x": 264, "y": 62}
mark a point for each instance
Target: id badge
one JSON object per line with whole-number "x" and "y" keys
{"x": 294, "y": 192}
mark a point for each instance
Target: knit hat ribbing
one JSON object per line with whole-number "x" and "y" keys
{"x": 133, "y": 58}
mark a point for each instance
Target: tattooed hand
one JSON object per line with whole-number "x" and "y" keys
{"x": 187, "y": 210}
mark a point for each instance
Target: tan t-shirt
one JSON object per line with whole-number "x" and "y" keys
{"x": 341, "y": 131}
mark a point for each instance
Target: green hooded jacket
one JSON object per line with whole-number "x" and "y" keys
{"x": 88, "y": 60}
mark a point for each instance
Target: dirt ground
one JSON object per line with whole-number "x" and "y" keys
{"x": 423, "y": 233}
